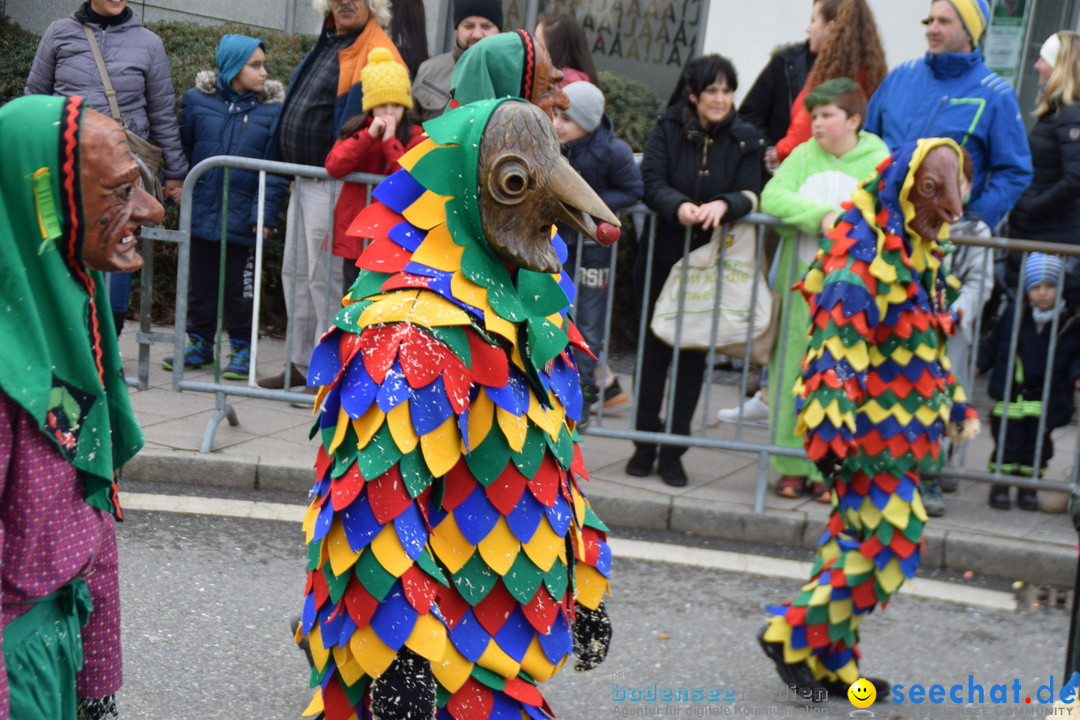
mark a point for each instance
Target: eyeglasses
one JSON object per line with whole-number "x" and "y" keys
{"x": 341, "y": 3}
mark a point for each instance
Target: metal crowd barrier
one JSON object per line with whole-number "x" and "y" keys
{"x": 704, "y": 437}
{"x": 182, "y": 237}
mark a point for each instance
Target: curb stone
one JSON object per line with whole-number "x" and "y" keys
{"x": 637, "y": 509}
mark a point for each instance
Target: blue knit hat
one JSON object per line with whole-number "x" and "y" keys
{"x": 232, "y": 53}
{"x": 1041, "y": 268}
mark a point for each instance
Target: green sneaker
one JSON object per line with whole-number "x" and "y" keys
{"x": 239, "y": 361}
{"x": 198, "y": 354}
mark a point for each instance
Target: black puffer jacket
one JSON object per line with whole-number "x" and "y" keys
{"x": 684, "y": 163}
{"x": 1050, "y": 208}
{"x": 768, "y": 104}
{"x": 1030, "y": 365}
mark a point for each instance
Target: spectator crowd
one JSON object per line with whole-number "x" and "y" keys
{"x": 818, "y": 119}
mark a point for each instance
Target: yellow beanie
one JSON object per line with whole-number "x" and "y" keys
{"x": 974, "y": 14}
{"x": 385, "y": 80}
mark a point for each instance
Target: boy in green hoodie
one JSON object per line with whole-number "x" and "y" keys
{"x": 806, "y": 193}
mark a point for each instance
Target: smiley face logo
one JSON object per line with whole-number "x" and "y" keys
{"x": 862, "y": 693}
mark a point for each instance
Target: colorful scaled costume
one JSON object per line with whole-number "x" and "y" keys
{"x": 876, "y": 397}
{"x": 447, "y": 528}
{"x": 66, "y": 425}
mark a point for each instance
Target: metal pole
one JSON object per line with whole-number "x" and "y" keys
{"x": 256, "y": 300}
{"x": 290, "y": 16}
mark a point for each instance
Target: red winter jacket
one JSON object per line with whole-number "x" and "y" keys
{"x": 361, "y": 153}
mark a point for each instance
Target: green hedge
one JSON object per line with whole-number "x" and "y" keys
{"x": 17, "y": 48}
{"x": 632, "y": 106}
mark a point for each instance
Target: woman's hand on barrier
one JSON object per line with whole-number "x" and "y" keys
{"x": 688, "y": 214}
{"x": 174, "y": 189}
{"x": 711, "y": 214}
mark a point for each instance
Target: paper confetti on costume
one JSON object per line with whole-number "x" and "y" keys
{"x": 447, "y": 517}
{"x": 876, "y": 396}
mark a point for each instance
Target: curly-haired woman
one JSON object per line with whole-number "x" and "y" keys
{"x": 844, "y": 36}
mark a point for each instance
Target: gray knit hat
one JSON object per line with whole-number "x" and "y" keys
{"x": 586, "y": 104}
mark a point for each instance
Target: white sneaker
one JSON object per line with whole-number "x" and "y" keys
{"x": 754, "y": 412}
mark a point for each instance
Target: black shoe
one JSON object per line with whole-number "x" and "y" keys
{"x": 932, "y": 500}
{"x": 948, "y": 484}
{"x": 1027, "y": 499}
{"x": 641, "y": 463}
{"x": 797, "y": 675}
{"x": 999, "y": 497}
{"x": 614, "y": 395}
{"x": 671, "y": 471}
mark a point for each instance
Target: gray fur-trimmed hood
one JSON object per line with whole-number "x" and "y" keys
{"x": 273, "y": 93}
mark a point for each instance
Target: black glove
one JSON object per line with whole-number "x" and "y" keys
{"x": 592, "y": 636}
{"x": 406, "y": 691}
{"x": 97, "y": 708}
{"x": 830, "y": 465}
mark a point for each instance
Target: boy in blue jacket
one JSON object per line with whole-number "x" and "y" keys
{"x": 231, "y": 112}
{"x": 607, "y": 164}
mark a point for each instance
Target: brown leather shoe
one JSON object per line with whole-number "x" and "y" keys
{"x": 277, "y": 382}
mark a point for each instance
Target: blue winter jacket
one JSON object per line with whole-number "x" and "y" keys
{"x": 211, "y": 124}
{"x": 955, "y": 95}
{"x": 607, "y": 164}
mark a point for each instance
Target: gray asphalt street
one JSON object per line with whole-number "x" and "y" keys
{"x": 207, "y": 600}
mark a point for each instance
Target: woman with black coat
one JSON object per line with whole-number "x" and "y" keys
{"x": 1050, "y": 208}
{"x": 701, "y": 167}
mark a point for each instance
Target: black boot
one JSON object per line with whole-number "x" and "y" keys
{"x": 671, "y": 469}
{"x": 642, "y": 461}
{"x": 999, "y": 497}
{"x": 796, "y": 675}
{"x": 1027, "y": 499}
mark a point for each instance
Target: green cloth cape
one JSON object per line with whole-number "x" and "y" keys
{"x": 59, "y": 359}
{"x": 494, "y": 68}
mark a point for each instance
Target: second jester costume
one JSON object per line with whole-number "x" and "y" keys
{"x": 875, "y": 399}
{"x": 453, "y": 561}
